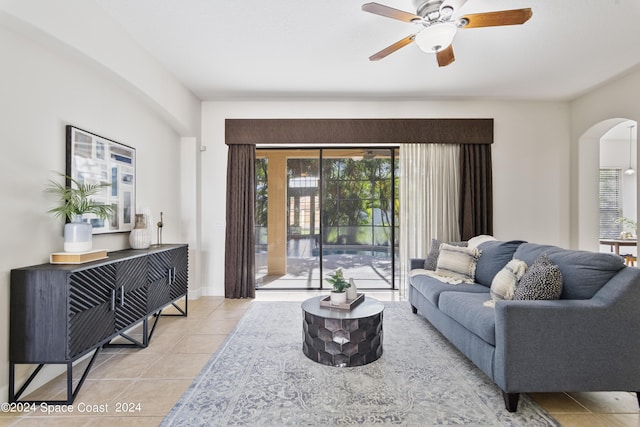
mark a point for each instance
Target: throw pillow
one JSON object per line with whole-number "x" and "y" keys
{"x": 503, "y": 285}
{"x": 457, "y": 262}
{"x": 476, "y": 241}
{"x": 495, "y": 255}
{"x": 543, "y": 281}
{"x": 431, "y": 261}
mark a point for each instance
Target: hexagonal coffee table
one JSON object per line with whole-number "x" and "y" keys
{"x": 338, "y": 337}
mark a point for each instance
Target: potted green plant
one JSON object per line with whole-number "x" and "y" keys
{"x": 75, "y": 200}
{"x": 340, "y": 285}
{"x": 629, "y": 226}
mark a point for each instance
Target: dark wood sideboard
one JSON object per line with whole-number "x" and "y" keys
{"x": 62, "y": 312}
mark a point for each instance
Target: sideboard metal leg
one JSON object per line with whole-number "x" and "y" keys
{"x": 71, "y": 393}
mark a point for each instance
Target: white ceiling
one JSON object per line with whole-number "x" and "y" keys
{"x": 229, "y": 49}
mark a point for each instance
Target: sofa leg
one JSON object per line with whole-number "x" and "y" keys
{"x": 638, "y": 397}
{"x": 414, "y": 310}
{"x": 511, "y": 401}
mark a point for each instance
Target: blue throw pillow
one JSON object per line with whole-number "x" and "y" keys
{"x": 495, "y": 255}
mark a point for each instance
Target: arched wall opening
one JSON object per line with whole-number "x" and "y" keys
{"x": 589, "y": 163}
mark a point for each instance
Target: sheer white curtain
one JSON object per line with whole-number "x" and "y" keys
{"x": 429, "y": 188}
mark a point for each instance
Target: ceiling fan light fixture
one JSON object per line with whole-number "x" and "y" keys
{"x": 446, "y": 12}
{"x": 436, "y": 37}
{"x": 462, "y": 22}
{"x": 452, "y": 5}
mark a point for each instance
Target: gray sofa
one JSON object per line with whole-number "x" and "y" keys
{"x": 588, "y": 340}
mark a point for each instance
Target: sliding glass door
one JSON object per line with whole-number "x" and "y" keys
{"x": 323, "y": 209}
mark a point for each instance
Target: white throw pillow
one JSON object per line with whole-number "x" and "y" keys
{"x": 474, "y": 242}
{"x": 503, "y": 285}
{"x": 458, "y": 262}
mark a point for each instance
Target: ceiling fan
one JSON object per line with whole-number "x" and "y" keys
{"x": 436, "y": 16}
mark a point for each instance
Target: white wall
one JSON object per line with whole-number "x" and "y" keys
{"x": 43, "y": 89}
{"x": 530, "y": 162}
{"x": 84, "y": 29}
{"x": 592, "y": 115}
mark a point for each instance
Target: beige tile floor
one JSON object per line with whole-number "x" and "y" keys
{"x": 153, "y": 379}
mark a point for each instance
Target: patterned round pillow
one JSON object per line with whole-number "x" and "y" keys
{"x": 542, "y": 281}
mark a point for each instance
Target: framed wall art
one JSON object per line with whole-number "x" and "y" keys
{"x": 94, "y": 159}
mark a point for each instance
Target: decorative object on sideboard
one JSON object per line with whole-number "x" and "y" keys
{"x": 75, "y": 200}
{"x": 93, "y": 158}
{"x": 139, "y": 238}
{"x": 340, "y": 285}
{"x": 77, "y": 257}
{"x": 78, "y": 236}
{"x": 150, "y": 221}
{"x": 160, "y": 225}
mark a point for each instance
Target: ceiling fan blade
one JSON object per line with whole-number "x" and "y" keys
{"x": 390, "y": 49}
{"x": 445, "y": 56}
{"x": 390, "y": 12}
{"x": 492, "y": 19}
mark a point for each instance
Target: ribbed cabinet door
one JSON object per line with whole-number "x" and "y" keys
{"x": 180, "y": 261}
{"x": 158, "y": 294}
{"x": 131, "y": 291}
{"x": 91, "y": 318}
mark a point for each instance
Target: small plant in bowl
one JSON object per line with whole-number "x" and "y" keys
{"x": 340, "y": 285}
{"x": 75, "y": 200}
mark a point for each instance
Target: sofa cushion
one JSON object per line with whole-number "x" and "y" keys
{"x": 583, "y": 272}
{"x": 431, "y": 261}
{"x": 431, "y": 288}
{"x": 504, "y": 283}
{"x": 468, "y": 309}
{"x": 495, "y": 255}
{"x": 542, "y": 281}
{"x": 458, "y": 263}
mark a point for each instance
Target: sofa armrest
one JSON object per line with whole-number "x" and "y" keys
{"x": 569, "y": 345}
{"x": 416, "y": 263}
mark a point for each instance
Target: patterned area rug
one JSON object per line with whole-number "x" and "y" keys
{"x": 260, "y": 377}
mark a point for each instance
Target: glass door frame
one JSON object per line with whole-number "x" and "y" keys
{"x": 321, "y": 150}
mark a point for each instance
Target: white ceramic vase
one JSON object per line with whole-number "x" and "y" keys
{"x": 78, "y": 236}
{"x": 352, "y": 292}
{"x": 140, "y": 238}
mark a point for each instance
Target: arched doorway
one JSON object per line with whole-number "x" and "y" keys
{"x": 589, "y": 166}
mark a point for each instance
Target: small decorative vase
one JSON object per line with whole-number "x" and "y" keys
{"x": 352, "y": 292}
{"x": 150, "y": 223}
{"x": 338, "y": 297}
{"x": 78, "y": 236}
{"x": 139, "y": 238}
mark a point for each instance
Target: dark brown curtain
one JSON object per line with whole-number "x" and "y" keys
{"x": 476, "y": 195}
{"x": 239, "y": 279}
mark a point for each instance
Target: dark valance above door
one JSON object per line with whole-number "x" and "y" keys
{"x": 358, "y": 131}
